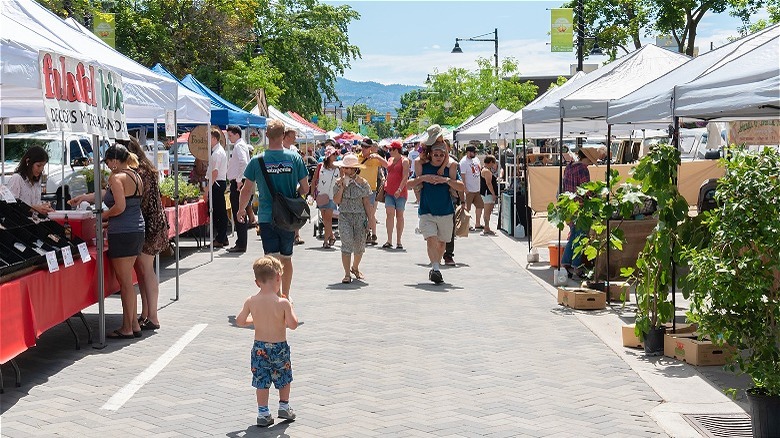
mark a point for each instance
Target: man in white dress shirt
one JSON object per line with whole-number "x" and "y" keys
{"x": 217, "y": 174}
{"x": 235, "y": 175}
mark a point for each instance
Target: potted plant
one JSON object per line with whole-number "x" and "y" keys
{"x": 734, "y": 281}
{"x": 589, "y": 209}
{"x": 656, "y": 173}
{"x": 89, "y": 178}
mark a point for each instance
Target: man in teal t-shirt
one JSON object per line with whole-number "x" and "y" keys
{"x": 289, "y": 176}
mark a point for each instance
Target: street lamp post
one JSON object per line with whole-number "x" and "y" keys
{"x": 352, "y": 108}
{"x": 457, "y": 48}
{"x": 596, "y": 50}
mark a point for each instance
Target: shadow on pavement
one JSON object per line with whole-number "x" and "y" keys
{"x": 429, "y": 287}
{"x": 275, "y": 431}
{"x": 55, "y": 351}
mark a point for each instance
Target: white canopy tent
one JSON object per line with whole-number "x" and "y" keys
{"x": 481, "y": 131}
{"x": 745, "y": 88}
{"x": 653, "y": 102}
{"x": 192, "y": 108}
{"x": 28, "y": 27}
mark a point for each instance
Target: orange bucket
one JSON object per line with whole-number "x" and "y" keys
{"x": 556, "y": 252}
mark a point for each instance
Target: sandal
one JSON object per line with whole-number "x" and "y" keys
{"x": 326, "y": 244}
{"x": 387, "y": 245}
{"x": 116, "y": 334}
{"x": 347, "y": 279}
{"x": 359, "y": 275}
{"x": 149, "y": 325}
{"x": 488, "y": 233}
{"x": 399, "y": 247}
{"x": 332, "y": 240}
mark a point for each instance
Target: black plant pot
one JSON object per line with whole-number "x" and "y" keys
{"x": 764, "y": 414}
{"x": 654, "y": 342}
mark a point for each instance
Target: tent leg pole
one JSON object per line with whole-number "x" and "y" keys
{"x": 676, "y": 141}
{"x": 99, "y": 244}
{"x": 609, "y": 160}
{"x": 525, "y": 184}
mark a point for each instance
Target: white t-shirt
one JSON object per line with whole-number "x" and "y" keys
{"x": 218, "y": 160}
{"x": 470, "y": 169}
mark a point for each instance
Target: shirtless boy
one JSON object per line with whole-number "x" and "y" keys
{"x": 270, "y": 353}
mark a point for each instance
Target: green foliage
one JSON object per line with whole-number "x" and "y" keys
{"x": 455, "y": 94}
{"x": 589, "y": 209}
{"x": 89, "y": 176}
{"x": 734, "y": 282}
{"x": 240, "y": 83}
{"x": 656, "y": 173}
{"x": 306, "y": 43}
{"x": 186, "y": 190}
{"x": 618, "y": 24}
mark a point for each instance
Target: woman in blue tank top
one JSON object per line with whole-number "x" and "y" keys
{"x": 125, "y": 230}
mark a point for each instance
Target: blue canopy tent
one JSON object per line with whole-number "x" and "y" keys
{"x": 219, "y": 115}
{"x": 233, "y": 114}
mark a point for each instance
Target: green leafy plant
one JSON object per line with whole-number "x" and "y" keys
{"x": 186, "y": 190}
{"x": 89, "y": 176}
{"x": 734, "y": 282}
{"x": 656, "y": 173}
{"x": 590, "y": 208}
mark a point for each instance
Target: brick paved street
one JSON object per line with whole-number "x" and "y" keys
{"x": 488, "y": 353}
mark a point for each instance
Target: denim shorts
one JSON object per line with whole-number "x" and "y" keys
{"x": 276, "y": 241}
{"x": 398, "y": 203}
{"x": 372, "y": 198}
{"x": 271, "y": 364}
{"x": 329, "y": 206}
{"x": 488, "y": 199}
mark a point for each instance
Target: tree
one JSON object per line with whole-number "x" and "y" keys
{"x": 241, "y": 82}
{"x": 617, "y": 22}
{"x": 308, "y": 42}
{"x": 457, "y": 93}
{"x": 305, "y": 41}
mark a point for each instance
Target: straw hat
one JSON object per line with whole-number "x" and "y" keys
{"x": 350, "y": 160}
{"x": 594, "y": 153}
{"x": 330, "y": 150}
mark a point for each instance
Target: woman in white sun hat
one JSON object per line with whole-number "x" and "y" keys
{"x": 352, "y": 196}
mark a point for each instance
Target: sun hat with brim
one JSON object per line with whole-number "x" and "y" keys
{"x": 434, "y": 132}
{"x": 330, "y": 150}
{"x": 395, "y": 144}
{"x": 439, "y": 147}
{"x": 350, "y": 160}
{"x": 594, "y": 153}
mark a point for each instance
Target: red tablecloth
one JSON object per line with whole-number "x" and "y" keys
{"x": 32, "y": 304}
{"x": 190, "y": 216}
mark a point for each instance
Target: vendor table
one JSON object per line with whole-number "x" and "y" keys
{"x": 40, "y": 300}
{"x": 190, "y": 216}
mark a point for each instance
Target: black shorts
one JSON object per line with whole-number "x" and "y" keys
{"x": 125, "y": 244}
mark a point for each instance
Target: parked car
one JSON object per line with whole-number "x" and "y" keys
{"x": 64, "y": 163}
{"x": 186, "y": 159}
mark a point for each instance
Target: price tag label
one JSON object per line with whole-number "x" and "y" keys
{"x": 67, "y": 256}
{"x": 51, "y": 260}
{"x": 6, "y": 195}
{"x": 84, "y": 253}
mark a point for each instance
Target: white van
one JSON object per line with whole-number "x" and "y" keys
{"x": 64, "y": 163}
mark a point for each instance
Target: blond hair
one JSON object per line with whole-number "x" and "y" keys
{"x": 266, "y": 268}
{"x": 275, "y": 129}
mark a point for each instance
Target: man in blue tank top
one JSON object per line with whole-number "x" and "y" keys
{"x": 436, "y": 209}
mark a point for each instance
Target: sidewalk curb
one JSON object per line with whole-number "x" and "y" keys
{"x": 696, "y": 395}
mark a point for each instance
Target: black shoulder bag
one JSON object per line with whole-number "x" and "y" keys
{"x": 289, "y": 214}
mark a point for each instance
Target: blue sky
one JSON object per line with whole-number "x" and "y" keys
{"x": 402, "y": 42}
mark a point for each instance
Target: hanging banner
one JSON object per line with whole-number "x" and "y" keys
{"x": 81, "y": 97}
{"x": 562, "y": 30}
{"x": 104, "y": 26}
{"x": 755, "y": 132}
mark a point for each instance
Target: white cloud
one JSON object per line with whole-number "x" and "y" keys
{"x": 436, "y": 46}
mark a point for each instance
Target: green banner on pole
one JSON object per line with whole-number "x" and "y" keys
{"x": 104, "y": 26}
{"x": 562, "y": 30}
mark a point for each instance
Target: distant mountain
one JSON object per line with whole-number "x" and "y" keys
{"x": 383, "y": 98}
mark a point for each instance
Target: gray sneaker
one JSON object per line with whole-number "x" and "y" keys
{"x": 286, "y": 414}
{"x": 265, "y": 421}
